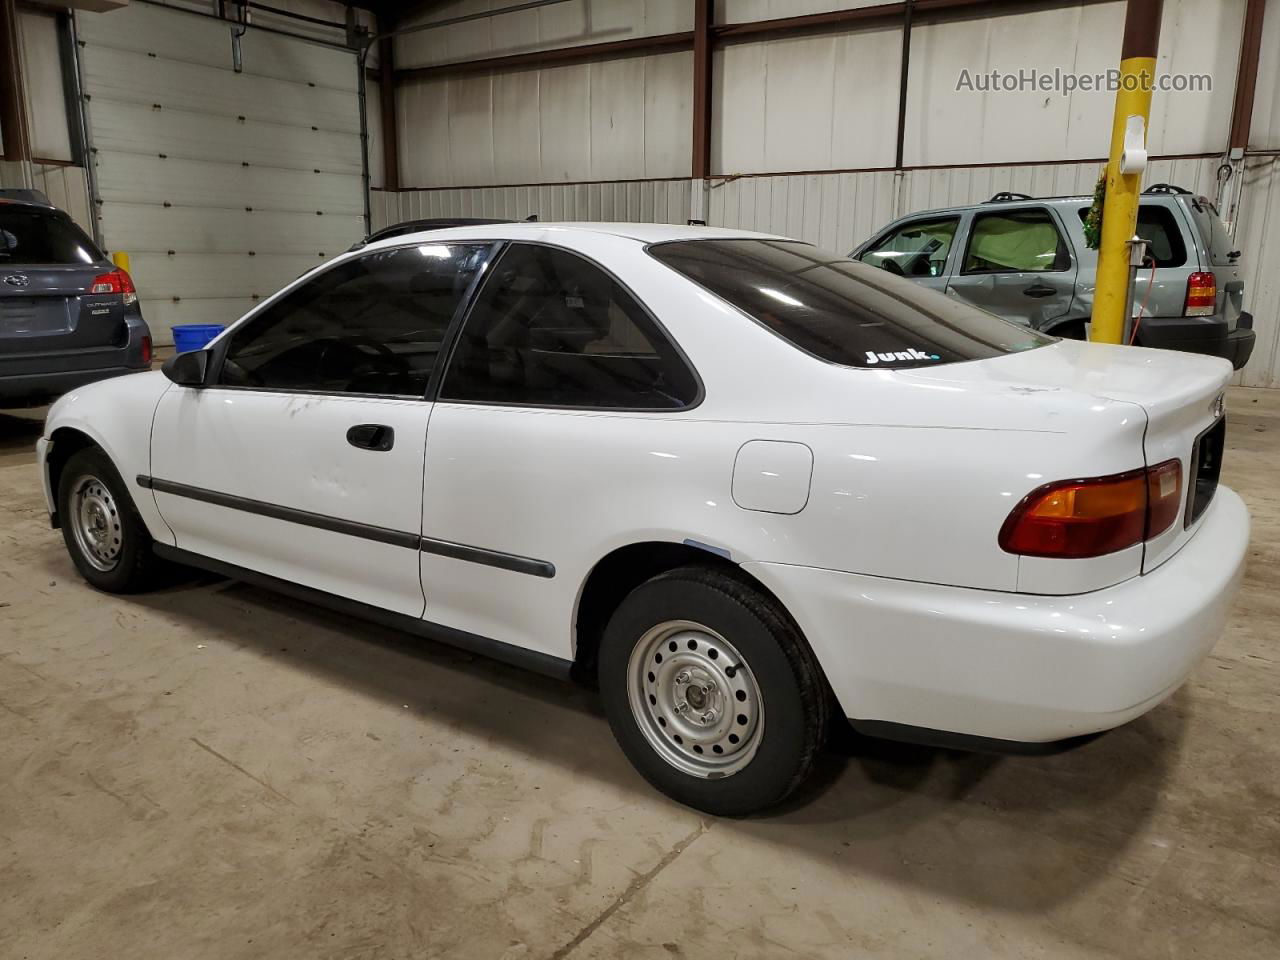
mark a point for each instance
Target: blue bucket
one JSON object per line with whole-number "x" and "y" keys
{"x": 194, "y": 336}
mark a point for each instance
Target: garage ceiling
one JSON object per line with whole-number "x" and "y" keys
{"x": 221, "y": 186}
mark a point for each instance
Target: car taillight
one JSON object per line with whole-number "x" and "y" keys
{"x": 146, "y": 350}
{"x": 1202, "y": 294}
{"x": 117, "y": 281}
{"x": 1073, "y": 519}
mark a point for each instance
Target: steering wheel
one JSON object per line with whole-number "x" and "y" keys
{"x": 893, "y": 266}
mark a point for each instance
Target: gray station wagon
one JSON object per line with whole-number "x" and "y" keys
{"x": 68, "y": 315}
{"x": 1026, "y": 260}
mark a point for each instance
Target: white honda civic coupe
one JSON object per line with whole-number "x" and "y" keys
{"x": 744, "y": 484}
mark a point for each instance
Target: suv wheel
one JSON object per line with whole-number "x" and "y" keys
{"x": 711, "y": 692}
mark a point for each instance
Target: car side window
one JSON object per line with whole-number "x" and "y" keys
{"x": 370, "y": 325}
{"x": 550, "y": 328}
{"x": 915, "y": 249}
{"x": 1157, "y": 226}
{"x": 1016, "y": 241}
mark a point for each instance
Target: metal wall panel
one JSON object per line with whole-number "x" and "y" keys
{"x": 561, "y": 25}
{"x": 806, "y": 103}
{"x": 67, "y": 189}
{"x": 947, "y": 125}
{"x": 1265, "y": 131}
{"x": 1258, "y": 235}
{"x": 649, "y": 201}
{"x": 627, "y": 118}
{"x": 46, "y": 96}
{"x": 221, "y": 186}
{"x": 745, "y": 11}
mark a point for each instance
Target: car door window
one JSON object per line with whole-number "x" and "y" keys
{"x": 550, "y": 328}
{"x": 370, "y": 325}
{"x": 915, "y": 249}
{"x": 1016, "y": 241}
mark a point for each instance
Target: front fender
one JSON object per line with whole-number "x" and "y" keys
{"x": 115, "y": 415}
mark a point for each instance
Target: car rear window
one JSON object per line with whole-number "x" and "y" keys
{"x": 1157, "y": 226}
{"x": 39, "y": 236}
{"x": 840, "y": 310}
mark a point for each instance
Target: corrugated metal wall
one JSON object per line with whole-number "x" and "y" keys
{"x": 649, "y": 201}
{"x": 1258, "y": 235}
{"x": 561, "y": 25}
{"x": 615, "y": 120}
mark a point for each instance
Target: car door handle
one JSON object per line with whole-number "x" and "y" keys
{"x": 372, "y": 436}
{"x": 1039, "y": 290}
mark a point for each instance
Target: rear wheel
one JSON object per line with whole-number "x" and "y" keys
{"x": 106, "y": 538}
{"x": 1070, "y": 330}
{"x": 711, "y": 691}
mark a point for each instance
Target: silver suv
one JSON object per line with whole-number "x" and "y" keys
{"x": 1026, "y": 260}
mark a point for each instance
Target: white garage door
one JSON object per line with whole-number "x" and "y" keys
{"x": 221, "y": 186}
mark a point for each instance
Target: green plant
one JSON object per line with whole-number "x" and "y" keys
{"x": 1093, "y": 222}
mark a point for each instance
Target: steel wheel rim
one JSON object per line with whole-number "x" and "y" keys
{"x": 695, "y": 699}
{"x": 96, "y": 523}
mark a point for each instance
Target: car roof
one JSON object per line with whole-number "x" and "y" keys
{"x": 9, "y": 203}
{"x": 642, "y": 232}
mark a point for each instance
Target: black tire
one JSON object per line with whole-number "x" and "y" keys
{"x": 134, "y": 566}
{"x": 782, "y": 671}
{"x": 1070, "y": 330}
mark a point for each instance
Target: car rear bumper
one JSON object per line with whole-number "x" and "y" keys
{"x": 53, "y": 383}
{"x": 1017, "y": 667}
{"x": 1207, "y": 335}
{"x": 41, "y": 376}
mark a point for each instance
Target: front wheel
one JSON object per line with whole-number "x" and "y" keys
{"x": 711, "y": 691}
{"x": 105, "y": 537}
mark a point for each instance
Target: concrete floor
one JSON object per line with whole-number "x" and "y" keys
{"x": 215, "y": 772}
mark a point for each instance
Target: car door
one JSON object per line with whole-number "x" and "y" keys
{"x": 919, "y": 249}
{"x": 1018, "y": 265}
{"x": 302, "y": 459}
{"x": 557, "y": 369}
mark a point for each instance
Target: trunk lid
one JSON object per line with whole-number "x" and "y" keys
{"x": 1180, "y": 393}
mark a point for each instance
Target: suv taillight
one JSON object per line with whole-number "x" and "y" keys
{"x": 117, "y": 281}
{"x": 1073, "y": 519}
{"x": 1202, "y": 294}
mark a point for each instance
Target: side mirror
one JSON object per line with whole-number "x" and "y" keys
{"x": 188, "y": 369}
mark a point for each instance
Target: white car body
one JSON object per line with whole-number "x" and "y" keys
{"x": 867, "y": 501}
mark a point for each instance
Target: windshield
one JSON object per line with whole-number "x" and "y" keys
{"x": 41, "y": 237}
{"x": 840, "y": 310}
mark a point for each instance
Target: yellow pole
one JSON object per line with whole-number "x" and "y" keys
{"x": 1124, "y": 174}
{"x": 121, "y": 260}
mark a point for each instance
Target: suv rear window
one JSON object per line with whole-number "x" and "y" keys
{"x": 840, "y": 310}
{"x": 1158, "y": 226}
{"x": 39, "y": 236}
{"x": 1212, "y": 230}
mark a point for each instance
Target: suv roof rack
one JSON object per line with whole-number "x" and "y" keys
{"x": 1004, "y": 196}
{"x": 1162, "y": 189}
